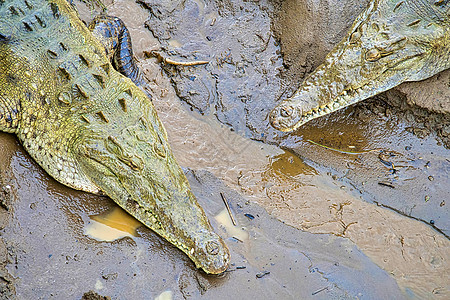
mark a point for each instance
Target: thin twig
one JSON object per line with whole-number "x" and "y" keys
{"x": 228, "y": 208}
{"x": 173, "y": 62}
{"x": 342, "y": 151}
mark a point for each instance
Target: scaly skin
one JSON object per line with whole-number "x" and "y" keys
{"x": 391, "y": 42}
{"x": 92, "y": 128}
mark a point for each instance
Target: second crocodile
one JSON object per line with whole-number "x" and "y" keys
{"x": 391, "y": 42}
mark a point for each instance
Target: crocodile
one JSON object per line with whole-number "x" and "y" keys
{"x": 390, "y": 42}
{"x": 92, "y": 128}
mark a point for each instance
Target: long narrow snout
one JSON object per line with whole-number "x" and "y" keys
{"x": 388, "y": 44}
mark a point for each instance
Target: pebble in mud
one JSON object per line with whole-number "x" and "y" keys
{"x": 91, "y": 295}
{"x": 250, "y": 216}
{"x": 262, "y": 274}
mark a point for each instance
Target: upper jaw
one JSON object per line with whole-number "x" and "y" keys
{"x": 313, "y": 100}
{"x": 313, "y": 110}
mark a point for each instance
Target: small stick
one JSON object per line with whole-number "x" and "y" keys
{"x": 318, "y": 291}
{"x": 342, "y": 151}
{"x": 173, "y": 62}
{"x": 228, "y": 208}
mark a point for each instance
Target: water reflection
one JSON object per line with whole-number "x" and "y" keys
{"x": 112, "y": 225}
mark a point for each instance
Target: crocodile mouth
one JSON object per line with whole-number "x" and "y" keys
{"x": 289, "y": 116}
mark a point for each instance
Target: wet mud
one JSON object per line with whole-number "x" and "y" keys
{"x": 240, "y": 83}
{"x": 50, "y": 256}
{"x": 352, "y": 205}
{"x": 387, "y": 151}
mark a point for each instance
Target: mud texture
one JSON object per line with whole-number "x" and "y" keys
{"x": 260, "y": 51}
{"x": 52, "y": 258}
{"x": 241, "y": 83}
{"x": 376, "y": 151}
{"x": 307, "y": 31}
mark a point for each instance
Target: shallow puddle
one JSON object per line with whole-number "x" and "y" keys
{"x": 166, "y": 295}
{"x": 112, "y": 225}
{"x": 349, "y": 245}
{"x": 238, "y": 233}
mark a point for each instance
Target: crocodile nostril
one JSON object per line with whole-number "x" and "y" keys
{"x": 212, "y": 248}
{"x": 286, "y": 111}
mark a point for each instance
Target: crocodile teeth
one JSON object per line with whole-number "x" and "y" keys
{"x": 52, "y": 54}
{"x": 64, "y": 70}
{"x": 85, "y": 119}
{"x": 128, "y": 91}
{"x": 81, "y": 90}
{"x": 85, "y": 60}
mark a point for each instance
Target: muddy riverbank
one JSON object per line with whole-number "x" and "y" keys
{"x": 50, "y": 256}
{"x": 352, "y": 205}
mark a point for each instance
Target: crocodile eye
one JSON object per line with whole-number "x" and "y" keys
{"x": 212, "y": 248}
{"x": 286, "y": 111}
{"x": 373, "y": 54}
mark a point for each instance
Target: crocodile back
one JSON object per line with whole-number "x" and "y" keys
{"x": 63, "y": 85}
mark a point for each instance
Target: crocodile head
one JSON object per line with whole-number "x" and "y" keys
{"x": 133, "y": 164}
{"x": 389, "y": 43}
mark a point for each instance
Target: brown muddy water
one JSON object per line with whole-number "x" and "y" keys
{"x": 351, "y": 206}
